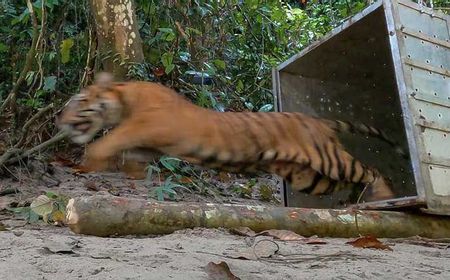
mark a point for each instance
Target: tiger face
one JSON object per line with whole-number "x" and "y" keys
{"x": 93, "y": 109}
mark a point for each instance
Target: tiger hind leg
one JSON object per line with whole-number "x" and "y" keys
{"x": 342, "y": 166}
{"x": 332, "y": 165}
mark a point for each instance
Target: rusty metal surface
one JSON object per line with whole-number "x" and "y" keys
{"x": 388, "y": 66}
{"x": 409, "y": 202}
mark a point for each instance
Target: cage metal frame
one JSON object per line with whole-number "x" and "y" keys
{"x": 435, "y": 200}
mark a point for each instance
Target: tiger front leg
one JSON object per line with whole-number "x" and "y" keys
{"x": 97, "y": 156}
{"x": 124, "y": 137}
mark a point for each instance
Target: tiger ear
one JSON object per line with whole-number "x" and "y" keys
{"x": 104, "y": 80}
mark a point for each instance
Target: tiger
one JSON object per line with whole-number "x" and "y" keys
{"x": 304, "y": 150}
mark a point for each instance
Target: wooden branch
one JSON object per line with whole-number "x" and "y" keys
{"x": 17, "y": 148}
{"x": 7, "y": 158}
{"x": 106, "y": 215}
{"x": 9, "y": 153}
{"x": 26, "y": 127}
{"x": 55, "y": 139}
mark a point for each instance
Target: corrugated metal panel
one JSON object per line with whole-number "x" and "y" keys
{"x": 425, "y": 53}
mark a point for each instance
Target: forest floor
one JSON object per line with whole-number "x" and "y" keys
{"x": 41, "y": 251}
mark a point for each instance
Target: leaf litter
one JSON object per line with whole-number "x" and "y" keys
{"x": 264, "y": 248}
{"x": 369, "y": 241}
{"x": 280, "y": 234}
{"x": 220, "y": 271}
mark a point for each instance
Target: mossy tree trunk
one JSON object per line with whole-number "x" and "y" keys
{"x": 119, "y": 42}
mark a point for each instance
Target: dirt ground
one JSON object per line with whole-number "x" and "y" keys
{"x": 41, "y": 251}
{"x": 51, "y": 253}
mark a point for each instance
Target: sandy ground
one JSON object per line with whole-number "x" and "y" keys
{"x": 51, "y": 253}
{"x": 40, "y": 251}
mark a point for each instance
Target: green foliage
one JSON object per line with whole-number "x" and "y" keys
{"x": 49, "y": 83}
{"x": 25, "y": 213}
{"x": 233, "y": 43}
{"x": 167, "y": 188}
{"x": 170, "y": 173}
{"x": 245, "y": 190}
{"x": 66, "y": 45}
{"x": 60, "y": 54}
{"x": 49, "y": 206}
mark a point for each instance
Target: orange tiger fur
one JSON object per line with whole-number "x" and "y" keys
{"x": 302, "y": 149}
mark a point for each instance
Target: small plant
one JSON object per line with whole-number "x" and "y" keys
{"x": 245, "y": 190}
{"x": 49, "y": 206}
{"x": 167, "y": 188}
{"x": 266, "y": 193}
{"x": 181, "y": 175}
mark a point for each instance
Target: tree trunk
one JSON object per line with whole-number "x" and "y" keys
{"x": 119, "y": 42}
{"x": 102, "y": 215}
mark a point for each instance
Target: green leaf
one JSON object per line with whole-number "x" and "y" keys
{"x": 184, "y": 56}
{"x": 167, "y": 34}
{"x": 66, "y": 45}
{"x": 19, "y": 210}
{"x": 152, "y": 10}
{"x": 220, "y": 64}
{"x": 33, "y": 217}
{"x": 210, "y": 69}
{"x": 154, "y": 55}
{"x": 170, "y": 37}
{"x": 167, "y": 59}
{"x": 249, "y": 105}
{"x": 42, "y": 205}
{"x": 29, "y": 77}
{"x": 170, "y": 163}
{"x": 266, "y": 108}
{"x": 52, "y": 3}
{"x": 240, "y": 86}
{"x": 169, "y": 68}
{"x": 22, "y": 18}
{"x": 192, "y": 31}
{"x": 165, "y": 30}
{"x": 170, "y": 191}
{"x": 160, "y": 193}
{"x": 150, "y": 169}
{"x": 3, "y": 48}
{"x": 50, "y": 83}
{"x": 51, "y": 195}
{"x": 51, "y": 55}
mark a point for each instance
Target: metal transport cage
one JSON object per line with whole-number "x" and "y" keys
{"x": 389, "y": 67}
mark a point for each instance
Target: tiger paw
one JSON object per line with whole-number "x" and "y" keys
{"x": 381, "y": 189}
{"x": 134, "y": 171}
{"x": 91, "y": 165}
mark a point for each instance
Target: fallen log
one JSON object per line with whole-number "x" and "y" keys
{"x": 106, "y": 215}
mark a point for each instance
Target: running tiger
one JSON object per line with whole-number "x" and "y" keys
{"x": 304, "y": 150}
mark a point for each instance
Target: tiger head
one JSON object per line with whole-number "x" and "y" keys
{"x": 96, "y": 107}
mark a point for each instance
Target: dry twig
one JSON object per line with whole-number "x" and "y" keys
{"x": 55, "y": 139}
{"x": 17, "y": 148}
